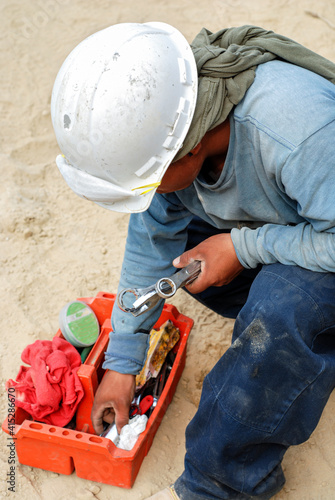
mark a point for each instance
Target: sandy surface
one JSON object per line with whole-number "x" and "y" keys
{"x": 55, "y": 247}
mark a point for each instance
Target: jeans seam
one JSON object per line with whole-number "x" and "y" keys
{"x": 232, "y": 416}
{"x": 300, "y": 394}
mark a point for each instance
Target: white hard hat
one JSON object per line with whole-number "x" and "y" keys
{"x": 121, "y": 106}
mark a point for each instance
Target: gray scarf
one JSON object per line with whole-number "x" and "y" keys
{"x": 226, "y": 63}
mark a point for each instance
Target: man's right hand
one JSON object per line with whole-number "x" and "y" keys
{"x": 112, "y": 400}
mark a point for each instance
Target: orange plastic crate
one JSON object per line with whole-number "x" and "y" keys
{"x": 96, "y": 458}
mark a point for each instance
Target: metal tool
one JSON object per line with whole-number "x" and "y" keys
{"x": 161, "y": 379}
{"x": 164, "y": 288}
{"x": 141, "y": 407}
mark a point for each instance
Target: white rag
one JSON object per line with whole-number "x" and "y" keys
{"x": 129, "y": 433}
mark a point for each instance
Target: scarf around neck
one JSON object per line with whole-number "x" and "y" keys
{"x": 226, "y": 63}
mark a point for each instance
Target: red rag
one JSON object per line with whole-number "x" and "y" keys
{"x": 50, "y": 389}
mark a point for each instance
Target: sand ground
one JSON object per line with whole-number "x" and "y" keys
{"x": 55, "y": 247}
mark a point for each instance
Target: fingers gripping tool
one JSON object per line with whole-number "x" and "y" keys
{"x": 164, "y": 288}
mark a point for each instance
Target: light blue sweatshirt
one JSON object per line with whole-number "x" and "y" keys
{"x": 276, "y": 193}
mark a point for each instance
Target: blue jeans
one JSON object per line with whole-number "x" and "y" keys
{"x": 268, "y": 390}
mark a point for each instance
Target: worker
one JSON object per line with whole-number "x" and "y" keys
{"x": 223, "y": 152}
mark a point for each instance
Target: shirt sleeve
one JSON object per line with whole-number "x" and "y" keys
{"x": 155, "y": 238}
{"x": 308, "y": 180}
